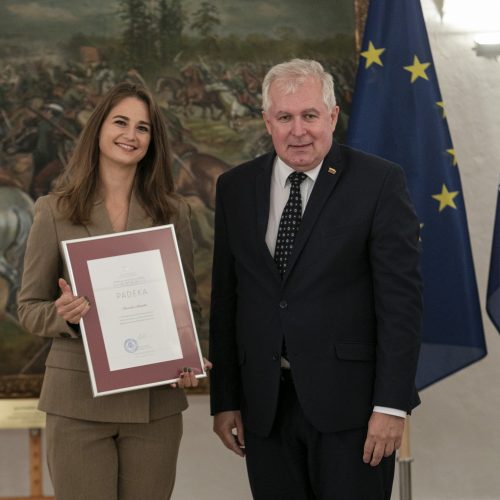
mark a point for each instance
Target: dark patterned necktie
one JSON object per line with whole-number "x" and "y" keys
{"x": 289, "y": 222}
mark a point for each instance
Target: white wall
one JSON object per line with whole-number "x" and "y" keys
{"x": 456, "y": 431}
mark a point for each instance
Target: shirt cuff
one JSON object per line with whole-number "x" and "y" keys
{"x": 390, "y": 411}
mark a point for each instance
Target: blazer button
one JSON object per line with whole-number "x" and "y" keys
{"x": 283, "y": 304}
{"x": 276, "y": 357}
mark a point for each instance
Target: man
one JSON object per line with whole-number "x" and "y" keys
{"x": 314, "y": 332}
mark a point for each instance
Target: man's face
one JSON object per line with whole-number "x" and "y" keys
{"x": 300, "y": 124}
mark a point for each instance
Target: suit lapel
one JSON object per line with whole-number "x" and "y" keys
{"x": 137, "y": 216}
{"x": 99, "y": 219}
{"x": 326, "y": 181}
{"x": 262, "y": 195}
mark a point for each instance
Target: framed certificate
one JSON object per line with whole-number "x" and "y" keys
{"x": 140, "y": 330}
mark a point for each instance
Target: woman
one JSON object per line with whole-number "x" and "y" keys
{"x": 122, "y": 446}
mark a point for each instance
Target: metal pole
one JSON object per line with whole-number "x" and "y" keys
{"x": 405, "y": 459}
{"x": 405, "y": 479}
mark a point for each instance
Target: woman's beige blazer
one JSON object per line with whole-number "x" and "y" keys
{"x": 66, "y": 388}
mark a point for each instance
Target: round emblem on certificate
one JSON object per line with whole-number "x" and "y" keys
{"x": 131, "y": 345}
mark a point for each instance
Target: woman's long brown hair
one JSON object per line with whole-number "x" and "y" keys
{"x": 154, "y": 182}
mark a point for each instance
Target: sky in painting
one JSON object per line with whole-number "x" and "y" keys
{"x": 59, "y": 19}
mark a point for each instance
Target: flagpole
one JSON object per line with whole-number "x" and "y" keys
{"x": 405, "y": 459}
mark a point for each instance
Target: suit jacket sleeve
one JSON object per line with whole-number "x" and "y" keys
{"x": 394, "y": 258}
{"x": 42, "y": 268}
{"x": 225, "y": 375}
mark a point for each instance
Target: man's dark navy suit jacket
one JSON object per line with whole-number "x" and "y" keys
{"x": 349, "y": 305}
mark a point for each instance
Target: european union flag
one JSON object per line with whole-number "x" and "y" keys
{"x": 493, "y": 294}
{"x": 398, "y": 113}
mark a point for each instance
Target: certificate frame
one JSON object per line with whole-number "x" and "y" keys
{"x": 104, "y": 380}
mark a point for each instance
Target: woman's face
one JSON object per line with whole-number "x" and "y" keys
{"x": 125, "y": 134}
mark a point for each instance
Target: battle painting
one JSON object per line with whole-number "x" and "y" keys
{"x": 203, "y": 60}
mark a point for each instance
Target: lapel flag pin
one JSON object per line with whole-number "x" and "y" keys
{"x": 331, "y": 170}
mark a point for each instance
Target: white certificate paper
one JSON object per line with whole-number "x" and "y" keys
{"x": 135, "y": 310}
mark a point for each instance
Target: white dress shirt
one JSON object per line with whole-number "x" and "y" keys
{"x": 280, "y": 191}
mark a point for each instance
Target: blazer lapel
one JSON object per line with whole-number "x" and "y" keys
{"x": 137, "y": 216}
{"x": 326, "y": 181}
{"x": 262, "y": 196}
{"x": 99, "y": 219}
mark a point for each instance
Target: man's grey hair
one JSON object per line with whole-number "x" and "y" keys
{"x": 291, "y": 74}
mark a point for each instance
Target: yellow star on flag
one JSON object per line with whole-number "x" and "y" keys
{"x": 372, "y": 55}
{"x": 441, "y": 105}
{"x": 417, "y": 69}
{"x": 445, "y": 198}
{"x": 451, "y": 152}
